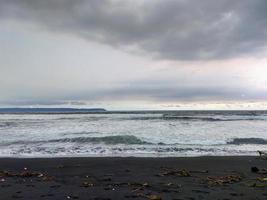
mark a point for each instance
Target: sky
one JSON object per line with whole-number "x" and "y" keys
{"x": 134, "y": 54}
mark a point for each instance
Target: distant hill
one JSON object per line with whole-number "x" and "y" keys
{"x": 50, "y": 110}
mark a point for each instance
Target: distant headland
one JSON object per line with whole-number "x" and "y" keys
{"x": 50, "y": 110}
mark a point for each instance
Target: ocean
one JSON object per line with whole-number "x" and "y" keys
{"x": 142, "y": 134}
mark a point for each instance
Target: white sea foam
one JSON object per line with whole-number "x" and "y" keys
{"x": 133, "y": 134}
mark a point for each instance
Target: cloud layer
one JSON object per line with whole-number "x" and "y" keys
{"x": 81, "y": 52}
{"x": 164, "y": 29}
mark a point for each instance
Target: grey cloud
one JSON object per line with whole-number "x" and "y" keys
{"x": 187, "y": 93}
{"x": 146, "y": 90}
{"x": 161, "y": 91}
{"x": 26, "y": 102}
{"x": 41, "y": 102}
{"x": 165, "y": 29}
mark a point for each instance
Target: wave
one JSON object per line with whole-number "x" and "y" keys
{"x": 91, "y": 118}
{"x": 173, "y": 118}
{"x": 238, "y": 141}
{"x": 212, "y": 118}
{"x": 197, "y": 118}
{"x": 191, "y": 118}
{"x": 61, "y": 150}
{"x": 132, "y": 140}
{"x": 80, "y": 133}
{"x": 67, "y": 118}
{"x": 118, "y": 139}
{"x": 7, "y": 124}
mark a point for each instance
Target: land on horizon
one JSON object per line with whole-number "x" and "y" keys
{"x": 51, "y": 110}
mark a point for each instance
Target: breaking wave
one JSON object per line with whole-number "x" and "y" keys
{"x": 197, "y": 118}
{"x": 118, "y": 139}
{"x": 7, "y": 124}
{"x": 210, "y": 119}
{"x": 238, "y": 141}
{"x": 112, "y": 140}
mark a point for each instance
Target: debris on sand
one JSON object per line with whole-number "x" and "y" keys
{"x": 182, "y": 173}
{"x": 87, "y": 184}
{"x": 220, "y": 180}
{"x": 259, "y": 182}
{"x": 199, "y": 171}
{"x": 47, "y": 178}
{"x": 170, "y": 187}
{"x": 168, "y": 184}
{"x": 140, "y": 186}
{"x": 153, "y": 197}
{"x": 5, "y": 174}
{"x": 254, "y": 169}
{"x": 25, "y": 174}
{"x": 257, "y": 185}
{"x": 150, "y": 197}
{"x": 262, "y": 179}
{"x": 258, "y": 171}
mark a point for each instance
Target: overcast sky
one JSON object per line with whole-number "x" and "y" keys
{"x": 134, "y": 54}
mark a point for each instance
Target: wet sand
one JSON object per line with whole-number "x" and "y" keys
{"x": 133, "y": 178}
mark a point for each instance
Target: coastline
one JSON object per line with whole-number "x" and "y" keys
{"x": 215, "y": 177}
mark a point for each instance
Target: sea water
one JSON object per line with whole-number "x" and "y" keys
{"x": 145, "y": 134}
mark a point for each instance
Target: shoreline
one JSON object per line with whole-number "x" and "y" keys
{"x": 126, "y": 157}
{"x": 105, "y": 178}
{"x": 129, "y": 157}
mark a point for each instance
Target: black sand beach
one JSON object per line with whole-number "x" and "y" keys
{"x": 133, "y": 178}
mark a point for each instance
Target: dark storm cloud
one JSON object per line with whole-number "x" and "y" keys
{"x": 166, "y": 29}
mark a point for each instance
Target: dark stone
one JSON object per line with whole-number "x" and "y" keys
{"x": 254, "y": 169}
